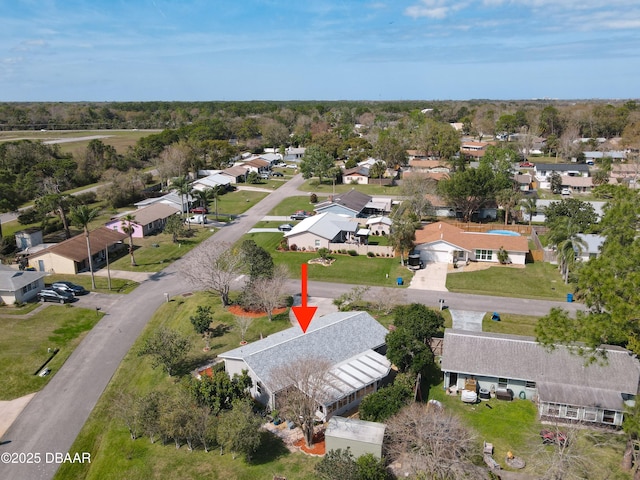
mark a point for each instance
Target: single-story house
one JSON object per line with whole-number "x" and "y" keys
{"x": 539, "y": 216}
{"x": 211, "y": 181}
{"x": 524, "y": 181}
{"x": 19, "y": 286}
{"x": 474, "y": 149}
{"x": 256, "y": 165}
{"x": 543, "y": 171}
{"x": 359, "y": 436}
{"x": 625, "y": 173}
{"x": 558, "y": 381}
{"x": 294, "y": 153}
{"x": 351, "y": 203}
{"x": 359, "y": 175}
{"x": 444, "y": 243}
{"x": 593, "y": 244}
{"x": 272, "y": 158}
{"x": 616, "y": 155}
{"x": 237, "y": 173}
{"x": 170, "y": 198}
{"x": 379, "y": 225}
{"x": 432, "y": 166}
{"x": 147, "y": 220}
{"x": 577, "y": 184}
{"x": 318, "y": 231}
{"x": 357, "y": 343}
{"x": 71, "y": 255}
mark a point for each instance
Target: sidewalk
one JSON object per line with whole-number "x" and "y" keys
{"x": 10, "y": 409}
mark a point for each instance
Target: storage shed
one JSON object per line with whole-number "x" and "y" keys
{"x": 359, "y": 436}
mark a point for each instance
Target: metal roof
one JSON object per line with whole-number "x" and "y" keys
{"x": 353, "y": 429}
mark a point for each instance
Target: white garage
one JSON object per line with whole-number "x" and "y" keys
{"x": 441, "y": 252}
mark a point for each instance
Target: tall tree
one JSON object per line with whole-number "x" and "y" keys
{"x": 239, "y": 429}
{"x": 403, "y": 232}
{"x": 564, "y": 235}
{"x": 59, "y": 204}
{"x": 508, "y": 198}
{"x": 378, "y": 170}
{"x": 128, "y": 229}
{"x": 316, "y": 162}
{"x": 469, "y": 190}
{"x": 530, "y": 206}
{"x": 82, "y": 216}
{"x": 415, "y": 189}
{"x": 582, "y": 214}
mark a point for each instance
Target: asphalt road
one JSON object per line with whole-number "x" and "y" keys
{"x": 52, "y": 420}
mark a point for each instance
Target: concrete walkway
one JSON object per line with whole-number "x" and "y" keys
{"x": 432, "y": 277}
{"x": 10, "y": 409}
{"x": 467, "y": 320}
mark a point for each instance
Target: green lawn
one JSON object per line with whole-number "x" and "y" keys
{"x": 511, "y": 323}
{"x": 235, "y": 203}
{"x": 291, "y": 204}
{"x": 360, "y": 270}
{"x": 327, "y": 188}
{"x": 118, "y": 285}
{"x": 24, "y": 343}
{"x": 514, "y": 426}
{"x": 538, "y": 280}
{"x": 114, "y": 455}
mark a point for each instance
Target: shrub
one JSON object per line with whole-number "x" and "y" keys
{"x": 293, "y": 247}
{"x": 87, "y": 198}
{"x": 313, "y": 198}
{"x": 353, "y": 253}
{"x": 387, "y": 401}
{"x": 323, "y": 252}
{"x": 371, "y": 254}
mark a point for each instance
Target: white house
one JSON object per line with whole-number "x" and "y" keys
{"x": 560, "y": 383}
{"x": 212, "y": 181}
{"x": 543, "y": 171}
{"x": 318, "y": 231}
{"x": 351, "y": 341}
{"x": 444, "y": 243}
{"x": 379, "y": 225}
{"x": 19, "y": 286}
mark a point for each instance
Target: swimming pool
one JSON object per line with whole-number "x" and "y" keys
{"x": 504, "y": 232}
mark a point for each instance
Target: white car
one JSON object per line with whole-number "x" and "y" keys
{"x": 197, "y": 219}
{"x": 565, "y": 191}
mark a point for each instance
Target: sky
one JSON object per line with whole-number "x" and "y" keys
{"x": 199, "y": 50}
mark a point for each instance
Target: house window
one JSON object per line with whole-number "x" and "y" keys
{"x": 259, "y": 388}
{"x": 590, "y": 415}
{"x": 484, "y": 254}
{"x": 553, "y": 409}
{"x": 572, "y": 412}
{"x": 609, "y": 416}
{"x": 502, "y": 383}
{"x": 317, "y": 243}
{"x": 529, "y": 384}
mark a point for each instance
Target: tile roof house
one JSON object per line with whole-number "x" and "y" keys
{"x": 444, "y": 243}
{"x": 71, "y": 255}
{"x": 148, "y": 220}
{"x": 19, "y": 286}
{"x": 558, "y": 381}
{"x": 318, "y": 231}
{"x": 352, "y": 341}
{"x": 351, "y": 203}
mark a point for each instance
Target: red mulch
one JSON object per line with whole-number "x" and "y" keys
{"x": 318, "y": 447}
{"x": 241, "y": 312}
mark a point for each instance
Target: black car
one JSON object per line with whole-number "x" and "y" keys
{"x": 70, "y": 287}
{"x": 285, "y": 227}
{"x": 54, "y": 295}
{"x": 277, "y": 174}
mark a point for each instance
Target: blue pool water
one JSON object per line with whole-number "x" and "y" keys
{"x": 505, "y": 232}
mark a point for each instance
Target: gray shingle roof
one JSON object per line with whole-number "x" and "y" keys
{"x": 13, "y": 280}
{"x": 325, "y": 225}
{"x": 522, "y": 358}
{"x": 335, "y": 337}
{"x": 353, "y": 200}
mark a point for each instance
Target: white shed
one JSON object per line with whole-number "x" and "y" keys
{"x": 359, "y": 436}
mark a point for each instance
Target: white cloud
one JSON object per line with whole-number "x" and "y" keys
{"x": 437, "y": 9}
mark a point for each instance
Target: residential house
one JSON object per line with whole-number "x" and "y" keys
{"x": 429, "y": 166}
{"x": 272, "y": 158}
{"x": 351, "y": 203}
{"x": 356, "y": 353}
{"x": 359, "y": 175}
{"x": 71, "y": 256}
{"x": 212, "y": 181}
{"x": 524, "y": 181}
{"x": 256, "y": 165}
{"x": 181, "y": 202}
{"x": 359, "y": 436}
{"x": 19, "y": 286}
{"x": 543, "y": 171}
{"x": 318, "y": 231}
{"x": 439, "y": 207}
{"x": 236, "y": 174}
{"x": 379, "y": 225}
{"x": 577, "y": 184}
{"x": 592, "y": 245}
{"x": 625, "y": 173}
{"x": 541, "y": 205}
{"x": 147, "y": 220}
{"x": 444, "y": 243}
{"x": 616, "y": 155}
{"x": 474, "y": 150}
{"x": 558, "y": 381}
{"x": 294, "y": 153}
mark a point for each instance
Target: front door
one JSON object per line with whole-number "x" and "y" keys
{"x": 41, "y": 265}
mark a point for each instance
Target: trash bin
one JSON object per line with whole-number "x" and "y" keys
{"x": 400, "y": 281}
{"x": 569, "y": 297}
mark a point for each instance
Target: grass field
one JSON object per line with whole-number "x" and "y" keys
{"x": 514, "y": 426}
{"x": 118, "y": 285}
{"x": 25, "y": 340}
{"x": 327, "y": 188}
{"x": 360, "y": 270}
{"x": 538, "y": 280}
{"x": 114, "y": 455}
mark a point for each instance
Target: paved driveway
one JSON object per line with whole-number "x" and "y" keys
{"x": 432, "y": 277}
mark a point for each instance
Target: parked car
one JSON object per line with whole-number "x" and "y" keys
{"x": 278, "y": 174}
{"x": 527, "y": 164}
{"x": 70, "y": 287}
{"x": 199, "y": 210}
{"x": 300, "y": 215}
{"x": 285, "y": 227}
{"x": 281, "y": 165}
{"x": 565, "y": 191}
{"x": 54, "y": 295}
{"x": 197, "y": 219}
{"x": 550, "y": 437}
{"x": 291, "y": 165}
{"x": 265, "y": 176}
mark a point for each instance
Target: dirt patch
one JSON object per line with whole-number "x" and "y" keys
{"x": 241, "y": 312}
{"x": 318, "y": 447}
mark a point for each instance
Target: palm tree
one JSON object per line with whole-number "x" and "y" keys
{"x": 181, "y": 185}
{"x": 128, "y": 228}
{"x": 81, "y": 216}
{"x": 507, "y": 199}
{"x": 530, "y": 207}
{"x": 564, "y": 235}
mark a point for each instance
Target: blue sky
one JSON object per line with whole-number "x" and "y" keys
{"x": 115, "y": 50}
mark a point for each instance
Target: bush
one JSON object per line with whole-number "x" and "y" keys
{"x": 371, "y": 254}
{"x": 87, "y": 198}
{"x": 387, "y": 401}
{"x": 353, "y": 253}
{"x": 323, "y": 252}
{"x": 293, "y": 247}
{"x": 313, "y": 198}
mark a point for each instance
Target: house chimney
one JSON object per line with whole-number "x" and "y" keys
{"x": 441, "y": 236}
{"x": 440, "y": 226}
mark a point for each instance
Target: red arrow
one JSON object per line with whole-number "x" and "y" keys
{"x": 304, "y": 314}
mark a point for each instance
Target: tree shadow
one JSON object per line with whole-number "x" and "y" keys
{"x": 432, "y": 376}
{"x": 271, "y": 448}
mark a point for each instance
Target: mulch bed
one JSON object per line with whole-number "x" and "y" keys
{"x": 318, "y": 447}
{"x": 241, "y": 312}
